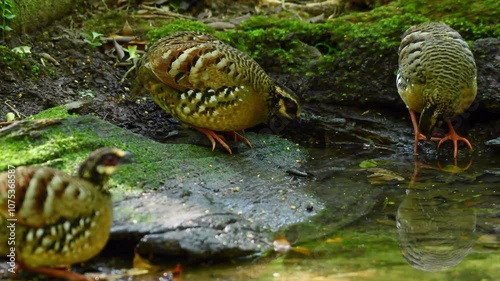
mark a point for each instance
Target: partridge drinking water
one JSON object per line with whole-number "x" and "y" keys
{"x": 436, "y": 77}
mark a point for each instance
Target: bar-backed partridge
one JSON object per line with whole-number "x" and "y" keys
{"x": 211, "y": 86}
{"x": 51, "y": 219}
{"x": 436, "y": 77}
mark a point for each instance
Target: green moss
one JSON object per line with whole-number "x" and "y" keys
{"x": 277, "y": 42}
{"x": 54, "y": 112}
{"x": 472, "y": 19}
{"x": 76, "y": 137}
{"x": 65, "y": 143}
{"x": 179, "y": 25}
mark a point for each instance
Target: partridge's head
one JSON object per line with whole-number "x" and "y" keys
{"x": 102, "y": 163}
{"x": 285, "y": 102}
{"x": 438, "y": 107}
{"x": 428, "y": 119}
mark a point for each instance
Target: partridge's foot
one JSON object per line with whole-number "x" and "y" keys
{"x": 214, "y": 138}
{"x": 453, "y": 136}
{"x": 55, "y": 272}
{"x": 238, "y": 137}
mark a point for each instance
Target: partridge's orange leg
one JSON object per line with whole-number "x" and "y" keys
{"x": 214, "y": 138}
{"x": 241, "y": 138}
{"x": 55, "y": 272}
{"x": 418, "y": 134}
{"x": 453, "y": 136}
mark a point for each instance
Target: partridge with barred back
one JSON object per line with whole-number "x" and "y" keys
{"x": 58, "y": 219}
{"x": 211, "y": 86}
{"x": 436, "y": 77}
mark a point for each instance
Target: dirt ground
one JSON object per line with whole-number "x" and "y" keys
{"x": 75, "y": 72}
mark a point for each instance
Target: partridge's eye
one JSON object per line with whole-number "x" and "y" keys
{"x": 109, "y": 160}
{"x": 291, "y": 107}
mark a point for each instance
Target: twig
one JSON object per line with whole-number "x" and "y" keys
{"x": 128, "y": 72}
{"x": 23, "y": 127}
{"x": 165, "y": 12}
{"x": 19, "y": 114}
{"x": 3, "y": 124}
{"x": 119, "y": 39}
{"x": 49, "y": 58}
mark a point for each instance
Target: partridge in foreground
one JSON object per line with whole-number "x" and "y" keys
{"x": 211, "y": 86}
{"x": 51, "y": 219}
{"x": 436, "y": 77}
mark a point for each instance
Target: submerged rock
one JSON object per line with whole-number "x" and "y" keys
{"x": 493, "y": 143}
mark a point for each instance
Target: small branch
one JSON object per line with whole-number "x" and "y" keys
{"x": 19, "y": 114}
{"x": 162, "y": 12}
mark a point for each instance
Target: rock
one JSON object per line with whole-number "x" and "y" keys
{"x": 353, "y": 81}
{"x": 178, "y": 199}
{"x": 495, "y": 143}
{"x": 220, "y": 25}
{"x": 214, "y": 237}
{"x": 32, "y": 15}
{"x": 487, "y": 56}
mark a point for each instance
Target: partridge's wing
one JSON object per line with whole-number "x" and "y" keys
{"x": 148, "y": 71}
{"x": 411, "y": 55}
{"x": 412, "y": 72}
{"x": 37, "y": 196}
{"x": 203, "y": 63}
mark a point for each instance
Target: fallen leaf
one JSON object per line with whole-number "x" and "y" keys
{"x": 380, "y": 175}
{"x": 368, "y": 164}
{"x": 335, "y": 240}
{"x": 302, "y": 250}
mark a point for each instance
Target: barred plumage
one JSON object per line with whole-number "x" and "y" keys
{"x": 211, "y": 86}
{"x": 59, "y": 219}
{"x": 436, "y": 77}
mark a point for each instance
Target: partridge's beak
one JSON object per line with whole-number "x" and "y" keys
{"x": 126, "y": 158}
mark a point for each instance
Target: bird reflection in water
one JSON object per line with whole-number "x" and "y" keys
{"x": 441, "y": 165}
{"x": 435, "y": 229}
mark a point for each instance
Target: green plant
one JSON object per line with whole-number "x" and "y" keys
{"x": 92, "y": 39}
{"x": 35, "y": 70}
{"x": 132, "y": 52}
{"x": 87, "y": 94}
{"x": 22, "y": 51}
{"x": 7, "y": 15}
